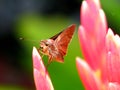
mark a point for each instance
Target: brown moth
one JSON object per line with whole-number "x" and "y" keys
{"x": 56, "y": 47}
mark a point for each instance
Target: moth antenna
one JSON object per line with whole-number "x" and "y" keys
{"x": 36, "y": 41}
{"x": 21, "y": 38}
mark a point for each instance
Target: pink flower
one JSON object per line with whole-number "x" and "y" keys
{"x": 41, "y": 77}
{"x": 101, "y": 50}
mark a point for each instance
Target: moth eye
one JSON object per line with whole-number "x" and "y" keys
{"x": 46, "y": 44}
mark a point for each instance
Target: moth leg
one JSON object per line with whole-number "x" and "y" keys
{"x": 49, "y": 61}
{"x": 38, "y": 50}
{"x": 41, "y": 54}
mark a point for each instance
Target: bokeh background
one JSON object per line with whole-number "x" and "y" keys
{"x": 37, "y": 20}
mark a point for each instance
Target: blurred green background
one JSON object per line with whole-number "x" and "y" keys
{"x": 37, "y": 20}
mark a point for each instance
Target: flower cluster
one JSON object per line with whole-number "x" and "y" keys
{"x": 101, "y": 50}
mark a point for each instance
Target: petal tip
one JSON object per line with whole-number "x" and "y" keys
{"x": 77, "y": 58}
{"x": 34, "y": 52}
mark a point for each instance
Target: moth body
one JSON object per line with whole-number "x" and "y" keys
{"x": 56, "y": 47}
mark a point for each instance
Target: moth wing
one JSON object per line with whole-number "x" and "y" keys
{"x": 55, "y": 36}
{"x": 59, "y": 58}
{"x": 64, "y": 38}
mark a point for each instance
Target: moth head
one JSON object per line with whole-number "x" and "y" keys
{"x": 44, "y": 44}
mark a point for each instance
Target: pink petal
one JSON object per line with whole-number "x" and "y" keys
{"x": 92, "y": 17}
{"x": 41, "y": 77}
{"x": 113, "y": 57}
{"x": 93, "y": 27}
{"x": 97, "y": 3}
{"x": 113, "y": 86}
{"x": 87, "y": 75}
{"x": 88, "y": 50}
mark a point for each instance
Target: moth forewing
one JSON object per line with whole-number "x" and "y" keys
{"x": 64, "y": 39}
